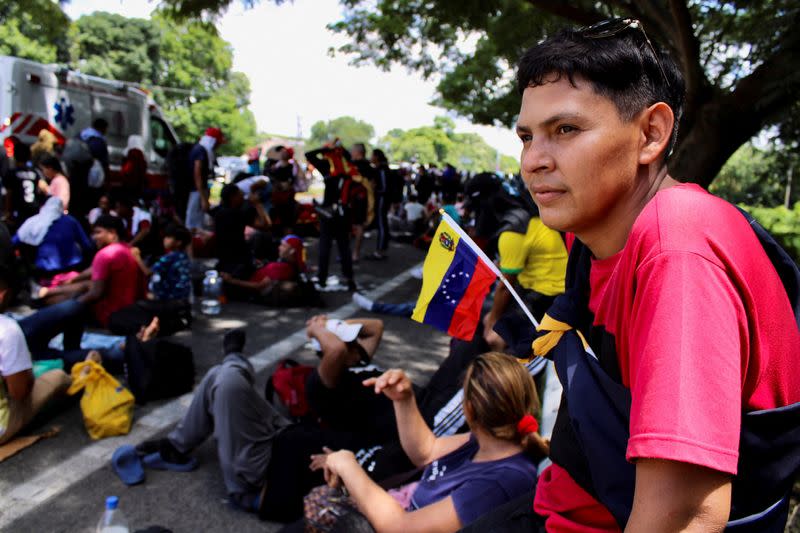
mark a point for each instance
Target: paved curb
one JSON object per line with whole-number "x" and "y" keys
{"x": 22, "y": 498}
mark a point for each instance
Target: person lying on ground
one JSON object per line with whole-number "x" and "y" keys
{"x": 276, "y": 280}
{"x": 227, "y": 406}
{"x": 21, "y": 395}
{"x": 113, "y": 281}
{"x": 466, "y": 475}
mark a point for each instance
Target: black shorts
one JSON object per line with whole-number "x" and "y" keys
{"x": 358, "y": 211}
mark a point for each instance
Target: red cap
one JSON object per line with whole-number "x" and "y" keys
{"x": 291, "y": 152}
{"x": 217, "y": 134}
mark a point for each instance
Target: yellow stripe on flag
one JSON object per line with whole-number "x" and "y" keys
{"x": 440, "y": 255}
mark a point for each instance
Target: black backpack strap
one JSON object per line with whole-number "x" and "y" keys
{"x": 783, "y": 263}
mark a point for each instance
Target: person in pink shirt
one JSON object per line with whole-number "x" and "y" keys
{"x": 57, "y": 184}
{"x": 112, "y": 282}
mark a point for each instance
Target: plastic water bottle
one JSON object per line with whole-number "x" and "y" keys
{"x": 113, "y": 521}
{"x": 212, "y": 290}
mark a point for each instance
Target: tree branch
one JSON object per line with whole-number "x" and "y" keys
{"x": 567, "y": 11}
{"x": 688, "y": 46}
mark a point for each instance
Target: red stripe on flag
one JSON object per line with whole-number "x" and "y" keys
{"x": 468, "y": 312}
{"x": 21, "y": 126}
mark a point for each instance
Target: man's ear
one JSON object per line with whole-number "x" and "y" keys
{"x": 656, "y": 123}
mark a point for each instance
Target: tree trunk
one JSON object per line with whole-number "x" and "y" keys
{"x": 718, "y": 130}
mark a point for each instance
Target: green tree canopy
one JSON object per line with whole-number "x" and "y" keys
{"x": 440, "y": 144}
{"x": 33, "y": 29}
{"x": 741, "y": 60}
{"x": 348, "y": 129}
{"x": 186, "y": 65}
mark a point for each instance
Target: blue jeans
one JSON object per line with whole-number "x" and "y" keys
{"x": 404, "y": 309}
{"x": 68, "y": 317}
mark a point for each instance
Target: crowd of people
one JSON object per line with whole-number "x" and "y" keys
{"x": 670, "y": 318}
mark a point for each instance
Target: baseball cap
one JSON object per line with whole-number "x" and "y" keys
{"x": 217, "y": 134}
{"x": 346, "y": 332}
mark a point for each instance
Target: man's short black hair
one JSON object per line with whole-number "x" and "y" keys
{"x": 621, "y": 68}
{"x": 6, "y": 278}
{"x": 22, "y": 152}
{"x": 100, "y": 124}
{"x": 179, "y": 233}
{"x": 380, "y": 156}
{"x": 112, "y": 223}
{"x": 234, "y": 341}
{"x": 124, "y": 200}
{"x": 51, "y": 162}
{"x": 228, "y": 192}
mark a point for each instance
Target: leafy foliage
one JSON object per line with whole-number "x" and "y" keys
{"x": 740, "y": 59}
{"x": 440, "y": 144}
{"x": 783, "y": 224}
{"x": 348, "y": 129}
{"x": 33, "y": 29}
{"x": 186, "y": 65}
{"x": 752, "y": 176}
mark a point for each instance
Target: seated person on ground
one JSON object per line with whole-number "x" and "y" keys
{"x": 171, "y": 274}
{"x": 279, "y": 276}
{"x": 21, "y": 395}
{"x": 58, "y": 242}
{"x": 227, "y": 405}
{"x": 103, "y": 208}
{"x": 137, "y": 221}
{"x": 467, "y": 475}
{"x": 113, "y": 281}
{"x": 230, "y": 219}
{"x": 55, "y": 182}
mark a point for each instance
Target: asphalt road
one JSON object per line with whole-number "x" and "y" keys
{"x": 60, "y": 484}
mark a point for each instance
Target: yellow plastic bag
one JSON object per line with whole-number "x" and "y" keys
{"x": 107, "y": 406}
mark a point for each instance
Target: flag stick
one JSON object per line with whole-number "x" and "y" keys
{"x": 485, "y": 258}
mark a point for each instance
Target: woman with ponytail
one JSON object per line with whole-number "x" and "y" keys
{"x": 467, "y": 475}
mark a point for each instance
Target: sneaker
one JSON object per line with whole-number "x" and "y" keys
{"x": 362, "y": 301}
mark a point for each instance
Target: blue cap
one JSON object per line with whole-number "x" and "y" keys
{"x": 112, "y": 502}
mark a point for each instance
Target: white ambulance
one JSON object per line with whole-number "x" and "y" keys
{"x": 34, "y": 97}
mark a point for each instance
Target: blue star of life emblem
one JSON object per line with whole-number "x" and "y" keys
{"x": 64, "y": 112}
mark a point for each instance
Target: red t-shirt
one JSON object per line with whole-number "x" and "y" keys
{"x": 703, "y": 331}
{"x": 276, "y": 271}
{"x": 115, "y": 264}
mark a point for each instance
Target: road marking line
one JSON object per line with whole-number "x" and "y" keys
{"x": 24, "y": 497}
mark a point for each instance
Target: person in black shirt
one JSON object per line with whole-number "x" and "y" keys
{"x": 230, "y": 220}
{"x": 334, "y": 162}
{"x": 383, "y": 178}
{"x": 334, "y": 389}
{"x": 359, "y": 197}
{"x": 284, "y": 207}
{"x": 21, "y": 180}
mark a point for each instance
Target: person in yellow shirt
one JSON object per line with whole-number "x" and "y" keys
{"x": 535, "y": 263}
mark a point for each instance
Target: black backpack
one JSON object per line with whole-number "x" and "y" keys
{"x": 158, "y": 369}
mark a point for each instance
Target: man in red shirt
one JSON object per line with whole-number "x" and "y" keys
{"x": 692, "y": 335}
{"x": 112, "y": 282}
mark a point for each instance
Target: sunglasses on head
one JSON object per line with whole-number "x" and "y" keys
{"x": 612, "y": 27}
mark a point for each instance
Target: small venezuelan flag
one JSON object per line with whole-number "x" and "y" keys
{"x": 456, "y": 278}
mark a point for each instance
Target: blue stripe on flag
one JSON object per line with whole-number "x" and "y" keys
{"x": 452, "y": 288}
